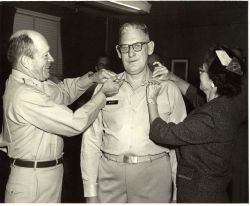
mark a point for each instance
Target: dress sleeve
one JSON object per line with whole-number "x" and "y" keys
{"x": 196, "y": 125}
{"x": 195, "y": 97}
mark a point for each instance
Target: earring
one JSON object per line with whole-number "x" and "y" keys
{"x": 212, "y": 85}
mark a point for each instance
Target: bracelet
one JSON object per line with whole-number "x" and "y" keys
{"x": 151, "y": 101}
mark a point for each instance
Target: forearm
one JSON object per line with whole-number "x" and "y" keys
{"x": 68, "y": 90}
{"x": 99, "y": 98}
{"x": 180, "y": 83}
{"x": 153, "y": 111}
{"x": 90, "y": 109}
{"x": 86, "y": 80}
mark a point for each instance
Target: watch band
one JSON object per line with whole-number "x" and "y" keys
{"x": 151, "y": 101}
{"x": 90, "y": 74}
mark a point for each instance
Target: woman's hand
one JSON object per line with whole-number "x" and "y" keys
{"x": 161, "y": 72}
{"x": 153, "y": 89}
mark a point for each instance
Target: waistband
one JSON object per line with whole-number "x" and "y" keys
{"x": 36, "y": 164}
{"x": 131, "y": 159}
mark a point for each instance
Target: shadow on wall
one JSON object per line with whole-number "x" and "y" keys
{"x": 72, "y": 190}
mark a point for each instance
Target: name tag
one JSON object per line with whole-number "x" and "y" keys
{"x": 110, "y": 102}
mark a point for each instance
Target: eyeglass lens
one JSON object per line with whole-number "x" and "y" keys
{"x": 136, "y": 47}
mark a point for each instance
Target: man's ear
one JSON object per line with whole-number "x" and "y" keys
{"x": 118, "y": 52}
{"x": 25, "y": 61}
{"x": 151, "y": 46}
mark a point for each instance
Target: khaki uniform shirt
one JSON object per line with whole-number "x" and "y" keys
{"x": 122, "y": 127}
{"x": 35, "y": 115}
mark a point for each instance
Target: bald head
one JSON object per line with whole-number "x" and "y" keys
{"x": 23, "y": 42}
{"x": 29, "y": 53}
{"x": 30, "y": 33}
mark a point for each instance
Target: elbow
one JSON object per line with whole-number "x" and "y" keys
{"x": 155, "y": 137}
{"x": 159, "y": 130}
{"x": 152, "y": 138}
{"x": 80, "y": 125}
{"x": 152, "y": 134}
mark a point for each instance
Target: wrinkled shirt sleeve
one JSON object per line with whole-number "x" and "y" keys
{"x": 68, "y": 90}
{"x": 90, "y": 155}
{"x": 178, "y": 109}
{"x": 178, "y": 114}
{"x": 38, "y": 108}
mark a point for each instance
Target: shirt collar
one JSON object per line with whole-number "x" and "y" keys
{"x": 21, "y": 77}
{"x": 147, "y": 77}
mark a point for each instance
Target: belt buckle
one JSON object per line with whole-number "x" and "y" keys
{"x": 130, "y": 159}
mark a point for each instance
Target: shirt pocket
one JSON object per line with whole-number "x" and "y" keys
{"x": 113, "y": 113}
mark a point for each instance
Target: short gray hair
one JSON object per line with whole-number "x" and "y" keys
{"x": 136, "y": 25}
{"x": 20, "y": 45}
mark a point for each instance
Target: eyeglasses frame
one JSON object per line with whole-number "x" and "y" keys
{"x": 131, "y": 45}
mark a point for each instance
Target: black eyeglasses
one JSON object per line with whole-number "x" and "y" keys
{"x": 124, "y": 48}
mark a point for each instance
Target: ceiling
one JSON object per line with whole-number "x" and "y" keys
{"x": 185, "y": 12}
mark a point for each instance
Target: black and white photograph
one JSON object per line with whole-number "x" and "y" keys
{"x": 124, "y": 102}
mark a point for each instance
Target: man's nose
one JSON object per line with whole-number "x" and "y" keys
{"x": 131, "y": 51}
{"x": 51, "y": 59}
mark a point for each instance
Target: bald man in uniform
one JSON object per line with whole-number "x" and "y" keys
{"x": 36, "y": 115}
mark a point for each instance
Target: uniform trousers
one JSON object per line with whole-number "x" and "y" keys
{"x": 34, "y": 185}
{"x": 145, "y": 182}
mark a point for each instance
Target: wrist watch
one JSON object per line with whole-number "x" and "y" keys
{"x": 151, "y": 101}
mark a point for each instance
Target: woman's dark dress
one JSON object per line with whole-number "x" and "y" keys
{"x": 205, "y": 141}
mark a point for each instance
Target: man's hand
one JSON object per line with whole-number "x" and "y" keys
{"x": 111, "y": 86}
{"x": 92, "y": 200}
{"x": 103, "y": 75}
{"x": 161, "y": 72}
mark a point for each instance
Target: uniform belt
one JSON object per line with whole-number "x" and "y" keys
{"x": 36, "y": 164}
{"x": 133, "y": 159}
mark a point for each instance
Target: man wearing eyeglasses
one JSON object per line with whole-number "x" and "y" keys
{"x": 118, "y": 160}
